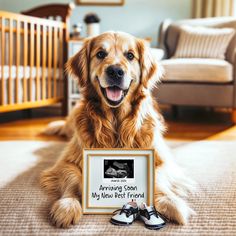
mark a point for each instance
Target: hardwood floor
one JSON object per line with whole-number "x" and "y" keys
{"x": 190, "y": 125}
{"x": 27, "y": 129}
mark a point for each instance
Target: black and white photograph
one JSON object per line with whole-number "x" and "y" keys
{"x": 118, "y": 168}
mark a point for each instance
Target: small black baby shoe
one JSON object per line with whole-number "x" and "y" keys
{"x": 151, "y": 218}
{"x": 126, "y": 215}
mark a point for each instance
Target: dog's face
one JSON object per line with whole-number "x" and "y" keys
{"x": 115, "y": 64}
{"x": 114, "y": 67}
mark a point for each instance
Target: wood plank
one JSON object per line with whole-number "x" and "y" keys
{"x": 32, "y": 19}
{"x": 227, "y": 134}
{"x": 61, "y": 66}
{"x": 10, "y": 95}
{"x": 44, "y": 58}
{"x": 32, "y": 37}
{"x": 29, "y": 129}
{"x": 3, "y": 59}
{"x": 18, "y": 51}
{"x": 26, "y": 105}
{"x": 233, "y": 116}
{"x": 55, "y": 61}
{"x": 25, "y": 92}
{"x": 49, "y": 62}
{"x": 38, "y": 63}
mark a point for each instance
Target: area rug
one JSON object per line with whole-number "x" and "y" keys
{"x": 24, "y": 208}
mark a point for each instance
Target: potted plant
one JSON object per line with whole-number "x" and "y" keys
{"x": 92, "y": 21}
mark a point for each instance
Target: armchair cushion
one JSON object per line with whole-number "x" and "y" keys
{"x": 172, "y": 32}
{"x": 197, "y": 70}
{"x": 203, "y": 42}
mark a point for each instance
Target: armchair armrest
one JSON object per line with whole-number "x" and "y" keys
{"x": 162, "y": 34}
{"x": 234, "y": 78}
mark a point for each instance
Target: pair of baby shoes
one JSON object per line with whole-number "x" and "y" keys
{"x": 130, "y": 212}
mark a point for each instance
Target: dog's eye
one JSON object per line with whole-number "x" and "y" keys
{"x": 101, "y": 55}
{"x": 130, "y": 56}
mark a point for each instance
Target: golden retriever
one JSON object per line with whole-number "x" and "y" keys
{"x": 115, "y": 73}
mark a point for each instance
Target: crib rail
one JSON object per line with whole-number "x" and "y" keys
{"x": 31, "y": 61}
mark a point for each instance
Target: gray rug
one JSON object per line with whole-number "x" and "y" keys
{"x": 24, "y": 208}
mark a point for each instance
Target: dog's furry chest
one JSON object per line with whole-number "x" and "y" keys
{"x": 102, "y": 133}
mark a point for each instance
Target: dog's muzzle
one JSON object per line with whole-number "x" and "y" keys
{"x": 115, "y": 91}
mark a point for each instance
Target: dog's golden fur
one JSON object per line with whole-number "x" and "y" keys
{"x": 135, "y": 123}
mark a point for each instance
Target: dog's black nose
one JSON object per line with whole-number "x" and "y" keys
{"x": 115, "y": 72}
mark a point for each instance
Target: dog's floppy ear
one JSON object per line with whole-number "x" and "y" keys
{"x": 151, "y": 72}
{"x": 78, "y": 65}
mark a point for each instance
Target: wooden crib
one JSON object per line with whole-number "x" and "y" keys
{"x": 33, "y": 51}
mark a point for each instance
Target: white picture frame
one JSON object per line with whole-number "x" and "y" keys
{"x": 112, "y": 177}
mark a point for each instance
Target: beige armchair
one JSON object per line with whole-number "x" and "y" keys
{"x": 197, "y": 82}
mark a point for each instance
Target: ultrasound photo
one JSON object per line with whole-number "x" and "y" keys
{"x": 118, "y": 168}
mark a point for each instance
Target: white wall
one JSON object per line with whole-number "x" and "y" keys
{"x": 138, "y": 17}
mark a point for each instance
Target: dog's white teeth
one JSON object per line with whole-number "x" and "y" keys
{"x": 114, "y": 94}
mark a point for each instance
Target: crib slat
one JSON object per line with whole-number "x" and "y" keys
{"x": 25, "y": 61}
{"x": 61, "y": 63}
{"x": 3, "y": 59}
{"x": 44, "y": 62}
{"x": 38, "y": 63}
{"x": 17, "y": 59}
{"x": 32, "y": 34}
{"x": 49, "y": 62}
{"x": 10, "y": 61}
{"x": 55, "y": 60}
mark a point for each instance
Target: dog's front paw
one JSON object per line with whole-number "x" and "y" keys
{"x": 66, "y": 211}
{"x": 174, "y": 208}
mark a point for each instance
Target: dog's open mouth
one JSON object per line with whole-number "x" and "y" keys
{"x": 114, "y": 95}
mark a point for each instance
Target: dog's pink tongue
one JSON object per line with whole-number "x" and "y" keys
{"x": 114, "y": 94}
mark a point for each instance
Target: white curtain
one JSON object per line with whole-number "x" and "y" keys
{"x": 212, "y": 8}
